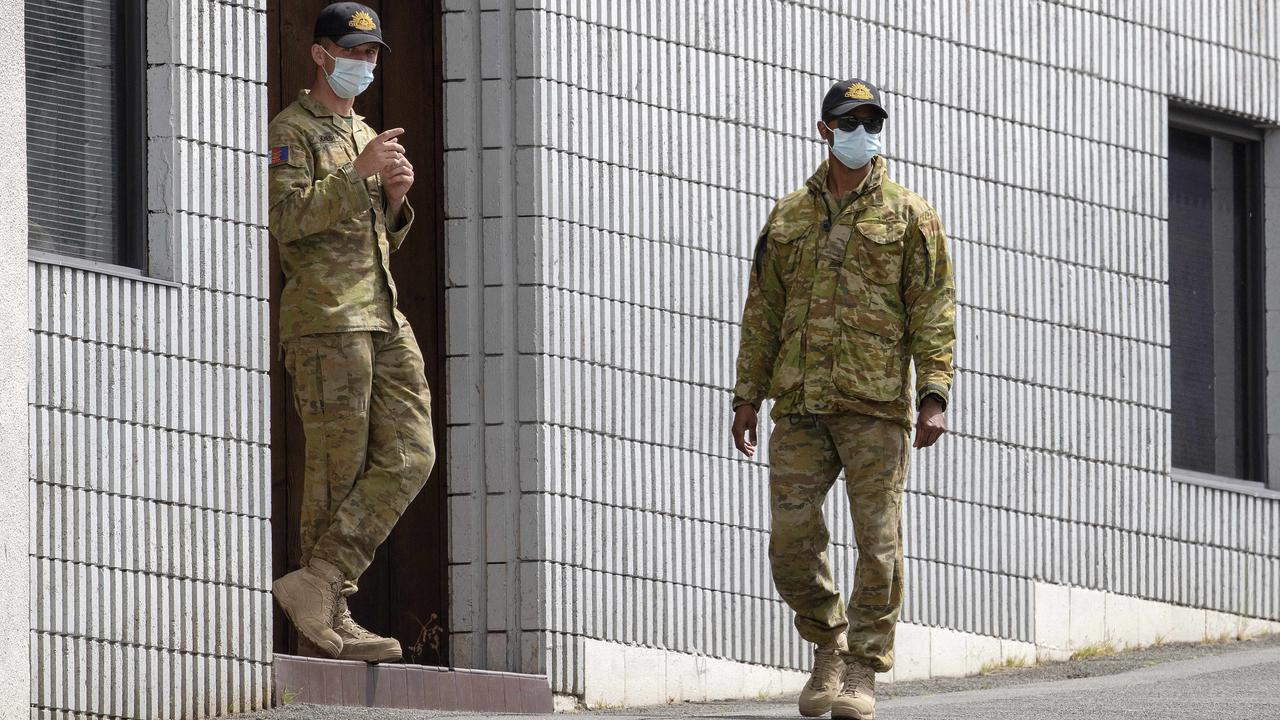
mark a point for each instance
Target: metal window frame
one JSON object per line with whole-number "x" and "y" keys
{"x": 131, "y": 137}
{"x": 1248, "y": 137}
{"x": 1198, "y": 119}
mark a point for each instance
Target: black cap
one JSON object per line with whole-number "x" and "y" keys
{"x": 844, "y": 96}
{"x": 349, "y": 24}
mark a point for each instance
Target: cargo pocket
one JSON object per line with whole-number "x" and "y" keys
{"x": 879, "y": 250}
{"x": 868, "y": 360}
{"x": 787, "y": 368}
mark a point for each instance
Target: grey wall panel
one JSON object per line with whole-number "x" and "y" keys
{"x": 666, "y": 130}
{"x": 149, "y": 409}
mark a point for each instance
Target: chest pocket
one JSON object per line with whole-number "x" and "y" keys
{"x": 786, "y": 239}
{"x": 878, "y": 249}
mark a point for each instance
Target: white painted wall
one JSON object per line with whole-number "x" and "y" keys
{"x": 14, "y": 365}
{"x": 148, "y": 411}
{"x": 617, "y": 230}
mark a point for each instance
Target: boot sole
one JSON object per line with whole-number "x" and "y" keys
{"x": 283, "y": 598}
{"x": 372, "y": 659}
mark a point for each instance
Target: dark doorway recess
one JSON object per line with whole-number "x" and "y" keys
{"x": 404, "y": 593}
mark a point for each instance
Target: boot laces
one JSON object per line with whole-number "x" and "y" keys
{"x": 347, "y": 624}
{"x": 825, "y": 663}
{"x": 858, "y": 679}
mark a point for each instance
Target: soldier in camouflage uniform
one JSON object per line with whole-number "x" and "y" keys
{"x": 851, "y": 282}
{"x": 338, "y": 211}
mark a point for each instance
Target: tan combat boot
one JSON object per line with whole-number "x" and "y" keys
{"x": 857, "y": 699}
{"x": 824, "y": 679}
{"x": 309, "y": 597}
{"x": 361, "y": 644}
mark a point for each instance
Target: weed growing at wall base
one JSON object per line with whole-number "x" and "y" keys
{"x": 1100, "y": 649}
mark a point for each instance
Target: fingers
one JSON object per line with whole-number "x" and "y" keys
{"x": 397, "y": 171}
{"x": 399, "y": 166}
{"x": 386, "y": 135}
{"x": 927, "y": 434}
{"x": 745, "y": 446}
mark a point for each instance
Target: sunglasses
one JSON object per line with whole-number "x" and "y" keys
{"x": 849, "y": 123}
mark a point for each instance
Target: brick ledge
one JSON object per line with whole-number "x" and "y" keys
{"x": 420, "y": 687}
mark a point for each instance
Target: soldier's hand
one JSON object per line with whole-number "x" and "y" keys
{"x": 744, "y": 429}
{"x": 380, "y": 153}
{"x": 397, "y": 180}
{"x": 930, "y": 424}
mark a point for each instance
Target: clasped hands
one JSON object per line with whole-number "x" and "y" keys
{"x": 384, "y": 154}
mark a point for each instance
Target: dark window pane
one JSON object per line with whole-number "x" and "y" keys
{"x": 1190, "y": 299}
{"x": 72, "y": 149}
{"x": 1212, "y": 298}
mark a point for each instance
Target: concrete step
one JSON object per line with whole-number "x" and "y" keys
{"x": 423, "y": 687}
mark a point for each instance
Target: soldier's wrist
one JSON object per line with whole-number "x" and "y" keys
{"x": 351, "y": 173}
{"x": 933, "y": 397}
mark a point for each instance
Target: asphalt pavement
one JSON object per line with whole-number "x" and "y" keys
{"x": 1224, "y": 681}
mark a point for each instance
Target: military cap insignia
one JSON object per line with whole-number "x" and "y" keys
{"x": 858, "y": 91}
{"x": 362, "y": 21}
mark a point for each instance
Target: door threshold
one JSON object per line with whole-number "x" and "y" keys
{"x": 321, "y": 681}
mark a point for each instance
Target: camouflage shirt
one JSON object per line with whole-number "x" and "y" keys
{"x": 335, "y": 245}
{"x": 834, "y": 317}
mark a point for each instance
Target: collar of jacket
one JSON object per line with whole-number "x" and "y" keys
{"x": 317, "y": 108}
{"x": 817, "y": 183}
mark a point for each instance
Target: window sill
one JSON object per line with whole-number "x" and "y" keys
{"x": 95, "y": 266}
{"x": 1218, "y": 482}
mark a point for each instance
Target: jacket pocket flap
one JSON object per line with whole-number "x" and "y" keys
{"x": 788, "y": 232}
{"x": 887, "y": 328}
{"x": 880, "y": 231}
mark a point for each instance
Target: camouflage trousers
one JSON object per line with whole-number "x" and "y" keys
{"x": 806, "y": 454}
{"x": 366, "y": 414}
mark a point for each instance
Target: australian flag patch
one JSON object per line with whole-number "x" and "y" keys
{"x": 279, "y": 154}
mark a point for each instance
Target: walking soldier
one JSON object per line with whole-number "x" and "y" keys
{"x": 851, "y": 282}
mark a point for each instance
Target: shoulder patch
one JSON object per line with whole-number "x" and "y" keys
{"x": 279, "y": 155}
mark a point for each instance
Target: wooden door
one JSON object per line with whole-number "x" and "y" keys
{"x": 404, "y": 593}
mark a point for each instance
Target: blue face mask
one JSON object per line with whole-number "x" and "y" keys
{"x": 855, "y": 149}
{"x": 349, "y": 77}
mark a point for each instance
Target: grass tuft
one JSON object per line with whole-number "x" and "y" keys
{"x": 1099, "y": 649}
{"x": 1009, "y": 663}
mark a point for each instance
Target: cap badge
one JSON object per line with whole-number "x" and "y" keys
{"x": 362, "y": 21}
{"x": 858, "y": 91}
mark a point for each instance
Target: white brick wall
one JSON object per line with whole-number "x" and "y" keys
{"x": 651, "y": 140}
{"x": 15, "y": 596}
{"x": 149, "y": 409}
{"x": 492, "y": 325}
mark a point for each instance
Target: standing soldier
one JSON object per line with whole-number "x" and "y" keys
{"x": 338, "y": 211}
{"x": 851, "y": 280}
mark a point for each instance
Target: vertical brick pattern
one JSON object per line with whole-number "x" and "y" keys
{"x": 149, "y": 410}
{"x": 492, "y": 173}
{"x": 650, "y": 141}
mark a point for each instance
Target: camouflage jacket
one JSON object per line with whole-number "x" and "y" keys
{"x": 335, "y": 246}
{"x": 833, "y": 318}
